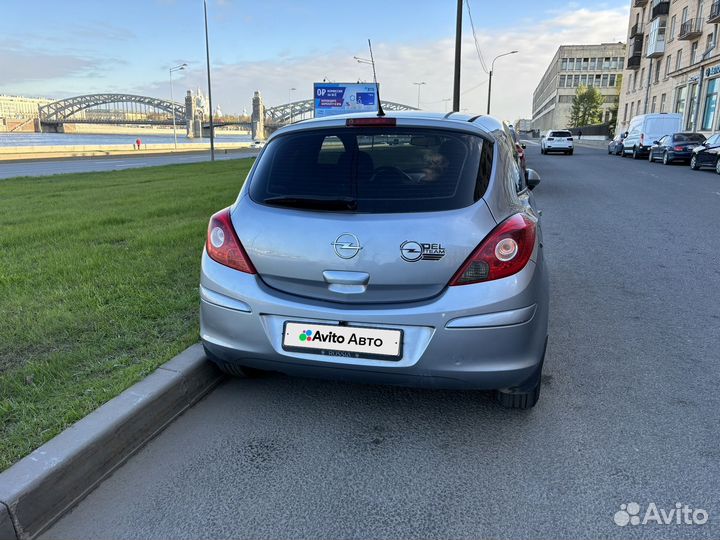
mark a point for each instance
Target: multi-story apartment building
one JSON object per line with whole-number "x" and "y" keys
{"x": 571, "y": 67}
{"x": 673, "y": 62}
{"x": 16, "y": 107}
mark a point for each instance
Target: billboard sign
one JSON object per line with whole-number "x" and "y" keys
{"x": 343, "y": 98}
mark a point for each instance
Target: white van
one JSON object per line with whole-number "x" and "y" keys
{"x": 644, "y": 129}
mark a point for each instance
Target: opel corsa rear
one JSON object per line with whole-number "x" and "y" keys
{"x": 403, "y": 250}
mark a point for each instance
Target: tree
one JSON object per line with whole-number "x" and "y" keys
{"x": 614, "y": 110}
{"x": 586, "y": 107}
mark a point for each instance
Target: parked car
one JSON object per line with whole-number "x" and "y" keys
{"x": 557, "y": 141}
{"x": 616, "y": 145}
{"x": 675, "y": 147}
{"x": 646, "y": 128}
{"x": 706, "y": 155}
{"x": 519, "y": 148}
{"x": 414, "y": 264}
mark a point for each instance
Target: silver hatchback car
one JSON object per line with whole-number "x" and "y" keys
{"x": 401, "y": 249}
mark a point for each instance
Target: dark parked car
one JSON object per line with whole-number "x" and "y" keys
{"x": 706, "y": 155}
{"x": 675, "y": 147}
{"x": 519, "y": 148}
{"x": 616, "y": 145}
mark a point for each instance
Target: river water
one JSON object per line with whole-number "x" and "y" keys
{"x": 84, "y": 139}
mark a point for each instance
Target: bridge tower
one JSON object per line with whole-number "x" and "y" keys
{"x": 193, "y": 115}
{"x": 258, "y": 117}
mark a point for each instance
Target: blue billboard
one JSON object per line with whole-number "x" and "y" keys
{"x": 342, "y": 98}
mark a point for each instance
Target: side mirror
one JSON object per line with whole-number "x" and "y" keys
{"x": 533, "y": 178}
{"x": 542, "y": 136}
{"x": 523, "y": 146}
{"x": 656, "y": 142}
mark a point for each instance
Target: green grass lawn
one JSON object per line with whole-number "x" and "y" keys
{"x": 98, "y": 287}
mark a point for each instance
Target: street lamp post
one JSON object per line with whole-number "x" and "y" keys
{"x": 207, "y": 56}
{"x": 419, "y": 84}
{"x": 172, "y": 100}
{"x": 290, "y": 90}
{"x": 492, "y": 67}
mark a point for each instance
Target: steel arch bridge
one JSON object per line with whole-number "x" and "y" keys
{"x": 62, "y": 110}
{"x": 299, "y": 109}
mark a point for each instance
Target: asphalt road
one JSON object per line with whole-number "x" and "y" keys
{"x": 45, "y": 167}
{"x": 628, "y": 412}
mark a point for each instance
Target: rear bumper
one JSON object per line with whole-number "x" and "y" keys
{"x": 672, "y": 154}
{"x": 485, "y": 336}
{"x": 558, "y": 148}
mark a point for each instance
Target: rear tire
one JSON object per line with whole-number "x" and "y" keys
{"x": 635, "y": 153}
{"x": 717, "y": 166}
{"x": 650, "y": 157}
{"x": 234, "y": 370}
{"x": 522, "y": 401}
{"x": 694, "y": 165}
{"x": 666, "y": 159}
{"x": 570, "y": 152}
{"x": 527, "y": 394}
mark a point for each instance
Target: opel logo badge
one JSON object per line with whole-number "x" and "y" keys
{"x": 346, "y": 246}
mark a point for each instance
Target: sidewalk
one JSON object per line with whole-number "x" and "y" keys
{"x": 591, "y": 143}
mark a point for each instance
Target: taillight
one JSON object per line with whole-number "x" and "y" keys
{"x": 504, "y": 252}
{"x": 678, "y": 148}
{"x": 224, "y": 246}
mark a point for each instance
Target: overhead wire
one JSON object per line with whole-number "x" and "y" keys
{"x": 475, "y": 39}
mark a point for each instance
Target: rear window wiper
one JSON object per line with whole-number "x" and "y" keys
{"x": 318, "y": 203}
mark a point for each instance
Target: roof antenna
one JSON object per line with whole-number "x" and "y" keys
{"x": 380, "y": 111}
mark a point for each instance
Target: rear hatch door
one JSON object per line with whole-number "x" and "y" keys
{"x": 366, "y": 215}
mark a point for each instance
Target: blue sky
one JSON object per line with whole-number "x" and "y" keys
{"x": 56, "y": 49}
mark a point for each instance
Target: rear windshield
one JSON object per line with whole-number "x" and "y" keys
{"x": 560, "y": 134}
{"x": 689, "y": 137}
{"x": 373, "y": 170}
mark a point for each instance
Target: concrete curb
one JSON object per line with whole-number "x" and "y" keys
{"x": 7, "y": 529}
{"x": 37, "y": 490}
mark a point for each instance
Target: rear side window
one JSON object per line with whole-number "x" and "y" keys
{"x": 560, "y": 134}
{"x": 689, "y": 137}
{"x": 373, "y": 170}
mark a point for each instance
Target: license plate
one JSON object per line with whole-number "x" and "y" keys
{"x": 347, "y": 341}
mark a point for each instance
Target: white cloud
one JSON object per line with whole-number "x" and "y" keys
{"x": 514, "y": 80}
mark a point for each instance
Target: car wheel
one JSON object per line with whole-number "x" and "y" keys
{"x": 571, "y": 152}
{"x": 234, "y": 370}
{"x": 650, "y": 157}
{"x": 609, "y": 151}
{"x": 666, "y": 159}
{"x": 635, "y": 154}
{"x": 521, "y": 399}
{"x": 694, "y": 165}
{"x": 717, "y": 166}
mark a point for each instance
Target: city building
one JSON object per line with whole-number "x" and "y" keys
{"x": 673, "y": 62}
{"x": 19, "y": 107}
{"x": 523, "y": 125}
{"x": 573, "y": 66}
